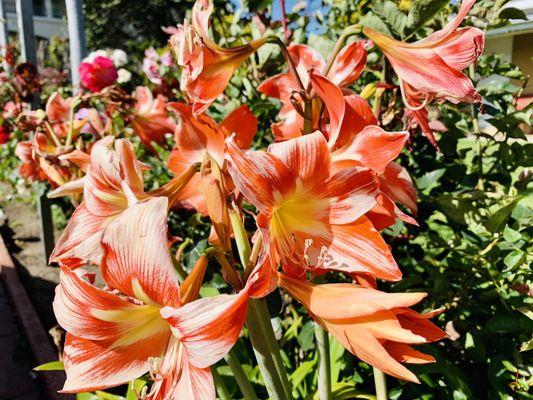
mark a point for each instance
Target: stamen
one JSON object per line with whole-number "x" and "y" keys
{"x": 406, "y": 102}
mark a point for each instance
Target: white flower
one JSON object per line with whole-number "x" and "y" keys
{"x": 119, "y": 57}
{"x": 92, "y": 55}
{"x": 123, "y": 75}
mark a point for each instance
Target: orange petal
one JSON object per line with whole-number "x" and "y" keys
{"x": 339, "y": 301}
{"x": 243, "y": 123}
{"x": 333, "y": 99}
{"x": 307, "y": 157}
{"x": 79, "y": 244}
{"x": 348, "y": 64}
{"x": 358, "y": 247}
{"x": 208, "y": 327}
{"x": 91, "y": 365}
{"x": 259, "y": 176}
{"x": 373, "y": 148}
{"x": 137, "y": 261}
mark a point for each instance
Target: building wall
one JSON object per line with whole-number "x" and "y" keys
{"x": 523, "y": 57}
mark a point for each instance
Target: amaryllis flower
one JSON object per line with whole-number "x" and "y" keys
{"x": 198, "y": 136}
{"x": 207, "y": 67}
{"x": 433, "y": 65}
{"x": 113, "y": 181}
{"x": 29, "y": 167}
{"x": 375, "y": 149}
{"x": 311, "y": 217}
{"x": 148, "y": 322}
{"x": 58, "y": 112}
{"x": 375, "y": 326}
{"x": 346, "y": 69}
{"x": 150, "y": 117}
{"x": 98, "y": 74}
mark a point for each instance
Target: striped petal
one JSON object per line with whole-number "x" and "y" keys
{"x": 208, "y": 327}
{"x": 348, "y": 64}
{"x": 261, "y": 177}
{"x": 79, "y": 244}
{"x": 137, "y": 261}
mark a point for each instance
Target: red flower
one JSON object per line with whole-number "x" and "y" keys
{"x": 99, "y": 74}
{"x": 4, "y": 135}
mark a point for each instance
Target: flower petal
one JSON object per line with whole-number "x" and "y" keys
{"x": 348, "y": 64}
{"x": 333, "y": 99}
{"x": 306, "y": 156}
{"x": 79, "y": 244}
{"x": 337, "y": 301}
{"x": 243, "y": 123}
{"x": 396, "y": 183}
{"x": 373, "y": 148}
{"x": 92, "y": 365}
{"x": 353, "y": 193}
{"x": 137, "y": 261}
{"x": 358, "y": 247}
{"x": 259, "y": 176}
{"x": 208, "y": 327}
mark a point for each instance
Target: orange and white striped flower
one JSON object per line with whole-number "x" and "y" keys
{"x": 375, "y": 326}
{"x": 199, "y": 135}
{"x": 433, "y": 65}
{"x": 146, "y": 322}
{"x": 311, "y": 216}
{"x": 346, "y": 69}
{"x": 113, "y": 181}
{"x": 207, "y": 67}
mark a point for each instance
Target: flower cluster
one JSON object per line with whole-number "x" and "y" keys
{"x": 317, "y": 199}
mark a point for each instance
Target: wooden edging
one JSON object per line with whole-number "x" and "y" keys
{"x": 39, "y": 341}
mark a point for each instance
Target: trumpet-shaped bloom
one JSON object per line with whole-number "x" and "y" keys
{"x": 377, "y": 327}
{"x": 113, "y": 181}
{"x": 433, "y": 65}
{"x": 151, "y": 120}
{"x": 98, "y": 74}
{"x": 311, "y": 216}
{"x": 153, "y": 325}
{"x": 207, "y": 67}
{"x": 199, "y": 135}
{"x": 346, "y": 68}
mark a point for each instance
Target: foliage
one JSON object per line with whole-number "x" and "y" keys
{"x": 472, "y": 251}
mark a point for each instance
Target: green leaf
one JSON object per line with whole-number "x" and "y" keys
{"x": 498, "y": 218}
{"x": 50, "y": 366}
{"x": 511, "y": 235}
{"x": 301, "y": 372}
{"x": 306, "y": 338}
{"x": 430, "y": 180}
{"x": 389, "y": 13}
{"x": 108, "y": 396}
{"x": 512, "y": 13}
{"x": 135, "y": 387}
{"x": 526, "y": 346}
{"x": 336, "y": 352}
{"x": 374, "y": 22}
{"x": 422, "y": 11}
{"x": 513, "y": 258}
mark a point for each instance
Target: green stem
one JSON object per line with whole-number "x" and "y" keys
{"x": 264, "y": 342}
{"x": 324, "y": 366}
{"x": 308, "y": 117}
{"x": 380, "y": 382}
{"x": 476, "y": 131}
{"x": 257, "y": 328}
{"x": 71, "y": 121}
{"x": 219, "y": 383}
{"x": 290, "y": 63}
{"x": 238, "y": 373}
{"x": 349, "y": 31}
